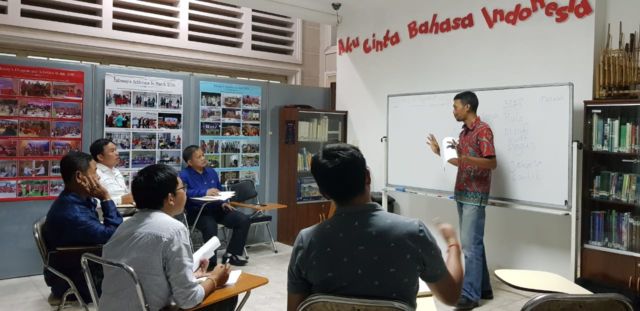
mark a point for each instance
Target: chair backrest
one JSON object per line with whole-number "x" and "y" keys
{"x": 38, "y": 236}
{"x": 318, "y": 302}
{"x": 562, "y": 302}
{"x": 108, "y": 263}
{"x": 244, "y": 188}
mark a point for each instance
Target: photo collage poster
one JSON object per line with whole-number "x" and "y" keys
{"x": 40, "y": 121}
{"x": 230, "y": 129}
{"x": 143, "y": 117}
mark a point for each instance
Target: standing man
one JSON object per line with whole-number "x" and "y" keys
{"x": 476, "y": 159}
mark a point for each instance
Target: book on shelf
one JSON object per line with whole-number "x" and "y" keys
{"x": 304, "y": 160}
{"x": 615, "y": 230}
{"x": 316, "y": 129}
{"x": 616, "y": 186}
{"x": 614, "y": 134}
{"x": 308, "y": 189}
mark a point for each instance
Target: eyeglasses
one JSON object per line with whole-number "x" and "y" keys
{"x": 182, "y": 188}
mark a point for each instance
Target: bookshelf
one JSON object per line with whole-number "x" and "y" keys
{"x": 610, "y": 215}
{"x": 303, "y": 132}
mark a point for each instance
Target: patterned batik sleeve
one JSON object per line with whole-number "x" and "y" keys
{"x": 485, "y": 141}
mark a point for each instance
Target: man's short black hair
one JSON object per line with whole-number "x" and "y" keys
{"x": 152, "y": 185}
{"x": 468, "y": 98}
{"x": 71, "y": 163}
{"x": 340, "y": 171}
{"x": 188, "y": 153}
{"x": 97, "y": 147}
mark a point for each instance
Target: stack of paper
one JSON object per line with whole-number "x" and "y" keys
{"x": 206, "y": 251}
{"x": 222, "y": 196}
{"x": 448, "y": 151}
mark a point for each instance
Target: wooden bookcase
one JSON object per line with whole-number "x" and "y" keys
{"x": 610, "y": 216}
{"x": 303, "y": 132}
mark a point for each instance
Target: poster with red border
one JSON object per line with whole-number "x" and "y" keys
{"x": 40, "y": 122}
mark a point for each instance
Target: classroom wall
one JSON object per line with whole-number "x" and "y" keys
{"x": 535, "y": 51}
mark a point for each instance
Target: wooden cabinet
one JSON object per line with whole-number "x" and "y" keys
{"x": 610, "y": 214}
{"x": 303, "y": 132}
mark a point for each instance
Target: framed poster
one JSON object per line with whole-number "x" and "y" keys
{"x": 40, "y": 122}
{"x": 143, "y": 117}
{"x": 230, "y": 129}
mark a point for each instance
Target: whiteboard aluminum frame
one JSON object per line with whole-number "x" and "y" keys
{"x": 497, "y": 202}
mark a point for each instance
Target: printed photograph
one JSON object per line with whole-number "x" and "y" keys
{"x": 144, "y": 99}
{"x": 120, "y": 139}
{"x": 55, "y": 187}
{"x": 8, "y": 107}
{"x": 33, "y": 148}
{"x": 140, "y": 159}
{"x": 171, "y": 158}
{"x": 210, "y": 99}
{"x": 248, "y": 147}
{"x": 170, "y": 101}
{"x": 250, "y": 160}
{"x": 33, "y": 188}
{"x": 210, "y": 146}
{"x": 8, "y": 148}
{"x": 54, "y": 168}
{"x": 172, "y": 121}
{"x": 231, "y": 129}
{"x": 252, "y": 175}
{"x": 34, "y": 128}
{"x": 62, "y": 147}
{"x": 251, "y": 115}
{"x": 208, "y": 114}
{"x": 231, "y": 175}
{"x": 117, "y": 119}
{"x": 35, "y": 88}
{"x": 33, "y": 168}
{"x": 231, "y": 115}
{"x": 144, "y": 120}
{"x": 68, "y": 90}
{"x": 210, "y": 129}
{"x": 230, "y": 160}
{"x": 8, "y": 87}
{"x": 8, "y": 168}
{"x": 64, "y": 110}
{"x": 140, "y": 140}
{"x": 230, "y": 146}
{"x": 8, "y": 127}
{"x": 8, "y": 189}
{"x": 66, "y": 129}
{"x": 251, "y": 130}
{"x": 213, "y": 160}
{"x": 117, "y": 98}
{"x": 169, "y": 141}
{"x": 35, "y": 108}
{"x": 231, "y": 100}
{"x": 124, "y": 160}
{"x": 251, "y": 102}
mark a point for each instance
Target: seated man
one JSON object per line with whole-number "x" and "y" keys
{"x": 157, "y": 247}
{"x": 104, "y": 152}
{"x": 200, "y": 181}
{"x": 72, "y": 221}
{"x": 363, "y": 251}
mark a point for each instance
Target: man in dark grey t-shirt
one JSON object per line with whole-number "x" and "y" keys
{"x": 363, "y": 251}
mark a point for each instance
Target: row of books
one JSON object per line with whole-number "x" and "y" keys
{"x": 615, "y": 134}
{"x": 304, "y": 160}
{"x": 317, "y": 129}
{"x": 614, "y": 229}
{"x": 617, "y": 186}
{"x": 308, "y": 189}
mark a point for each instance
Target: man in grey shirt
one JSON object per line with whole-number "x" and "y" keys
{"x": 157, "y": 247}
{"x": 363, "y": 251}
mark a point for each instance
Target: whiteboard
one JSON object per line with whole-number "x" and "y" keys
{"x": 532, "y": 137}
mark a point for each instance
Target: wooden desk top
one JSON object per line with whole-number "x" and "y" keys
{"x": 539, "y": 281}
{"x": 263, "y": 207}
{"x": 246, "y": 282}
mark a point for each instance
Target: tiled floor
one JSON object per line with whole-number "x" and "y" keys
{"x": 30, "y": 293}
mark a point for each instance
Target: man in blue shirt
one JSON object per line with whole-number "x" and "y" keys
{"x": 72, "y": 220}
{"x": 200, "y": 181}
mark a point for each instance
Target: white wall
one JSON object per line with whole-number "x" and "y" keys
{"x": 535, "y": 51}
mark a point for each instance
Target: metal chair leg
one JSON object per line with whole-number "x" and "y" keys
{"x": 273, "y": 243}
{"x": 244, "y": 300}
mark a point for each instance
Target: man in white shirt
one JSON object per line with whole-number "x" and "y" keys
{"x": 104, "y": 152}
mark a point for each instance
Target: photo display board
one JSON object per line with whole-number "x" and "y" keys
{"x": 40, "y": 121}
{"x": 230, "y": 129}
{"x": 143, "y": 117}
